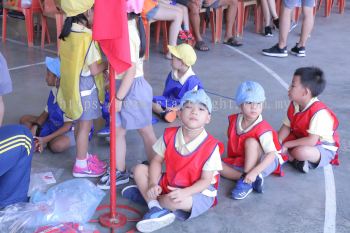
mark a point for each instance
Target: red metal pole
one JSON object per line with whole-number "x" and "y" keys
{"x": 113, "y": 191}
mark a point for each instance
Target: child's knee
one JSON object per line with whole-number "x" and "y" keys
{"x": 141, "y": 170}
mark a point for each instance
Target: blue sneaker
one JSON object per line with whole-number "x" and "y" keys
{"x": 241, "y": 190}
{"x": 258, "y": 184}
{"x": 103, "y": 132}
{"x": 132, "y": 193}
{"x": 155, "y": 219}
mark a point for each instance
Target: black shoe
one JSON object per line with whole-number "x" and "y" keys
{"x": 298, "y": 51}
{"x": 276, "y": 22}
{"x": 302, "y": 166}
{"x": 268, "y": 31}
{"x": 275, "y": 51}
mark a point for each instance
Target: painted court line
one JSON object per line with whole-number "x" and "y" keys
{"x": 25, "y": 44}
{"x": 26, "y": 66}
{"x": 330, "y": 202}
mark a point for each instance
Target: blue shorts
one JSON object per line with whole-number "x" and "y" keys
{"x": 271, "y": 168}
{"x": 290, "y": 4}
{"x": 152, "y": 13}
{"x": 326, "y": 157}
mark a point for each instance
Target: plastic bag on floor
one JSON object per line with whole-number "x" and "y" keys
{"x": 41, "y": 179}
{"x": 71, "y": 201}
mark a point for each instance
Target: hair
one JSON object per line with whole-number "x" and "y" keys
{"x": 81, "y": 18}
{"x": 142, "y": 32}
{"x": 312, "y": 78}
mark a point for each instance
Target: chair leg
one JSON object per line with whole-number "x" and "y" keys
{"x": 218, "y": 24}
{"x": 157, "y": 32}
{"x": 341, "y": 6}
{"x": 59, "y": 26}
{"x": 28, "y": 14}
{"x": 240, "y": 18}
{"x": 258, "y": 18}
{"x": 164, "y": 25}
{"x": 4, "y": 24}
{"x": 43, "y": 30}
{"x": 212, "y": 26}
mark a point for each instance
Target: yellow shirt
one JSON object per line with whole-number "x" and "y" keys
{"x": 321, "y": 124}
{"x": 134, "y": 41}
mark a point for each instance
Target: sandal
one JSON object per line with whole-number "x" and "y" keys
{"x": 233, "y": 42}
{"x": 201, "y": 46}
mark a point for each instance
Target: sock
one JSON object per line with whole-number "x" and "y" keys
{"x": 82, "y": 163}
{"x": 186, "y": 28}
{"x": 154, "y": 203}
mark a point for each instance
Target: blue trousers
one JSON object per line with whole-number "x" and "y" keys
{"x": 15, "y": 163}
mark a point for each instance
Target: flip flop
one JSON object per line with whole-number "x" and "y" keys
{"x": 233, "y": 42}
{"x": 201, "y": 46}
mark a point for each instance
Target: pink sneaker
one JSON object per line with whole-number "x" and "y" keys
{"x": 94, "y": 159}
{"x": 92, "y": 170}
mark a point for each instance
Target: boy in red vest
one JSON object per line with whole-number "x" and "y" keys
{"x": 308, "y": 132}
{"x": 188, "y": 187}
{"x": 253, "y": 147}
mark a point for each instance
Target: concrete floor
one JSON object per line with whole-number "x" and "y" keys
{"x": 295, "y": 203}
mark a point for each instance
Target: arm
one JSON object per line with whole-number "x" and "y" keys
{"x": 252, "y": 174}
{"x": 283, "y": 132}
{"x": 310, "y": 140}
{"x": 155, "y": 170}
{"x": 96, "y": 68}
{"x": 40, "y": 121}
{"x": 178, "y": 194}
{"x": 65, "y": 128}
{"x": 124, "y": 88}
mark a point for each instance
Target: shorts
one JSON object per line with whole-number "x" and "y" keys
{"x": 290, "y": 4}
{"x": 136, "y": 112}
{"x": 326, "y": 157}
{"x": 90, "y": 103}
{"x": 270, "y": 169}
{"x": 152, "y": 13}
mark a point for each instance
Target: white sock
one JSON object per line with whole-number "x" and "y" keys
{"x": 82, "y": 163}
{"x": 186, "y": 28}
{"x": 153, "y": 203}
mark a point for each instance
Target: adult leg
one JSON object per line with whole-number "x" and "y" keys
{"x": 194, "y": 6}
{"x": 266, "y": 12}
{"x": 272, "y": 6}
{"x": 149, "y": 138}
{"x": 284, "y": 26}
{"x": 306, "y": 28}
{"x": 15, "y": 164}
{"x": 230, "y": 16}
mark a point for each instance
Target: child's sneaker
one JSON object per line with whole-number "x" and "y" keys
{"x": 92, "y": 170}
{"x": 275, "y": 51}
{"x": 103, "y": 132}
{"x": 298, "y": 51}
{"x": 168, "y": 116}
{"x": 258, "y": 184}
{"x": 268, "y": 31}
{"x": 155, "y": 219}
{"x": 241, "y": 190}
{"x": 94, "y": 159}
{"x": 302, "y": 166}
{"x": 132, "y": 193}
{"x": 105, "y": 181}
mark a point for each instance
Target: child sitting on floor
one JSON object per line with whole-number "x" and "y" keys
{"x": 253, "y": 147}
{"x": 188, "y": 188}
{"x": 309, "y": 131}
{"x": 52, "y": 127}
{"x": 180, "y": 80}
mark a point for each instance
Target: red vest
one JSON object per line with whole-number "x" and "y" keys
{"x": 300, "y": 122}
{"x": 183, "y": 171}
{"x": 235, "y": 144}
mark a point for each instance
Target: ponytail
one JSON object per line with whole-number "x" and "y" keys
{"x": 142, "y": 33}
{"x": 67, "y": 26}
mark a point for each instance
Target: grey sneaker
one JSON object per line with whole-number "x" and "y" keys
{"x": 275, "y": 51}
{"x": 121, "y": 178}
{"x": 298, "y": 51}
{"x": 302, "y": 166}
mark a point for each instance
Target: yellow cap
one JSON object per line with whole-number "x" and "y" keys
{"x": 184, "y": 52}
{"x": 76, "y": 7}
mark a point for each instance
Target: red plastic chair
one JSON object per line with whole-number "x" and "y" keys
{"x": 50, "y": 10}
{"x": 159, "y": 25}
{"x": 242, "y": 16}
{"x": 28, "y": 14}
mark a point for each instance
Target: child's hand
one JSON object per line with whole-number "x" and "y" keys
{"x": 38, "y": 144}
{"x": 177, "y": 194}
{"x": 250, "y": 178}
{"x": 154, "y": 191}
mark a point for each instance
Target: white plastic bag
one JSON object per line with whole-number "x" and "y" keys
{"x": 74, "y": 200}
